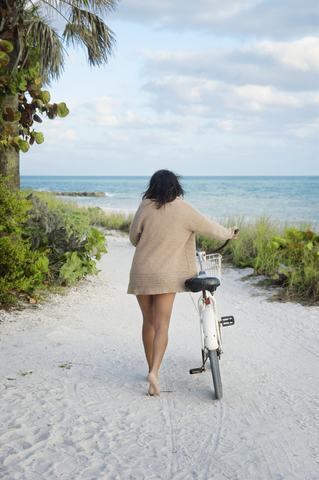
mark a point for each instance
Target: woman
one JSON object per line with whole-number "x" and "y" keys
{"x": 163, "y": 232}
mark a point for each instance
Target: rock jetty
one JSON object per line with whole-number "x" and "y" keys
{"x": 80, "y": 194}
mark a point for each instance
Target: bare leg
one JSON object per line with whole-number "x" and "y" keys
{"x": 146, "y": 304}
{"x": 156, "y": 311}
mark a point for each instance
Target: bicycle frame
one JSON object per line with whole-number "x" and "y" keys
{"x": 209, "y": 326}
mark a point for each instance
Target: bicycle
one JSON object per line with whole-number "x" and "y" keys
{"x": 207, "y": 281}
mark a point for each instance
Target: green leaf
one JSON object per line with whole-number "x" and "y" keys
{"x": 37, "y": 103}
{"x": 272, "y": 245}
{"x": 42, "y": 264}
{"x": 22, "y": 84}
{"x": 63, "y": 111}
{"x": 34, "y": 71}
{"x": 4, "y": 59}
{"x": 309, "y": 246}
{"x": 45, "y": 96}
{"x": 12, "y": 86}
{"x": 23, "y": 144}
{"x": 38, "y": 137}
{"x": 6, "y": 46}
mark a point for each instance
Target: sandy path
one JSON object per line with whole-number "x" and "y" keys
{"x": 94, "y": 420}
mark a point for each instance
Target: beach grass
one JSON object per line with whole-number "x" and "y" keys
{"x": 87, "y": 216}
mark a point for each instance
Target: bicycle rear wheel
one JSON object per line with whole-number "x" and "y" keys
{"x": 214, "y": 365}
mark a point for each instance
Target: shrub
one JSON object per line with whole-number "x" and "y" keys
{"x": 48, "y": 229}
{"x": 20, "y": 267}
{"x": 287, "y": 255}
{"x": 67, "y": 238}
{"x": 298, "y": 257}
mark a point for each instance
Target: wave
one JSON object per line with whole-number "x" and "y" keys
{"x": 109, "y": 194}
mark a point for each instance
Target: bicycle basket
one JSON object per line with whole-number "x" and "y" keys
{"x": 212, "y": 265}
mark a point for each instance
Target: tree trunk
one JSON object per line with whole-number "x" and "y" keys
{"x": 9, "y": 165}
{"x": 9, "y": 159}
{"x": 10, "y": 15}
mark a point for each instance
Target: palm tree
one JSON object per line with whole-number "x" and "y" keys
{"x": 24, "y": 23}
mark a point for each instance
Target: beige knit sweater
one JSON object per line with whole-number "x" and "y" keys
{"x": 165, "y": 254}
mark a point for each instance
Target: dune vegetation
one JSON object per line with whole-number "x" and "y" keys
{"x": 286, "y": 253}
{"x": 64, "y": 237}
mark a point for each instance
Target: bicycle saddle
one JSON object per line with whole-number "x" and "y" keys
{"x": 202, "y": 282}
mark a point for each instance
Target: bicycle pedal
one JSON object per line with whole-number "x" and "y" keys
{"x": 226, "y": 321}
{"x": 196, "y": 370}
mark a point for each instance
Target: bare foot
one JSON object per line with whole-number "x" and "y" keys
{"x": 153, "y": 389}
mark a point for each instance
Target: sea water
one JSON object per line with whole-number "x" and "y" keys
{"x": 284, "y": 198}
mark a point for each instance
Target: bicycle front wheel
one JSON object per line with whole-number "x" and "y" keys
{"x": 214, "y": 365}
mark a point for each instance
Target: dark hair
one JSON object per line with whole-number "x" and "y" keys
{"x": 163, "y": 188}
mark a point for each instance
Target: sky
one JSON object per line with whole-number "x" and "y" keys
{"x": 212, "y": 87}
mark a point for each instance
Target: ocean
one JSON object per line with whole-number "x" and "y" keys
{"x": 294, "y": 199}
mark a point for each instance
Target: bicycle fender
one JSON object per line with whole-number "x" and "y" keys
{"x": 209, "y": 327}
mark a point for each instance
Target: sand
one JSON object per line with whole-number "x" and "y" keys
{"x": 83, "y": 412}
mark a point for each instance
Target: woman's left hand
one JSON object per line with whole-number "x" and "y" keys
{"x": 235, "y": 234}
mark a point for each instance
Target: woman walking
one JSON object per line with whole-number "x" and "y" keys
{"x": 163, "y": 232}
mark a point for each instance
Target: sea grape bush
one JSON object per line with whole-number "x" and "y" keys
{"x": 26, "y": 83}
{"x": 48, "y": 229}
{"x": 292, "y": 261}
{"x": 71, "y": 245}
{"x": 37, "y": 244}
{"x": 296, "y": 244}
{"x": 299, "y": 251}
{"x": 80, "y": 263}
{"x": 20, "y": 267}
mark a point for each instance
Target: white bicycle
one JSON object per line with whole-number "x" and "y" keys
{"x": 207, "y": 281}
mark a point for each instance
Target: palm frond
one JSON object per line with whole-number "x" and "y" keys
{"x": 94, "y": 6}
{"x": 89, "y": 30}
{"x": 51, "y": 60}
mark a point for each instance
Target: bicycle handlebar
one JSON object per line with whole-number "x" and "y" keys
{"x": 208, "y": 252}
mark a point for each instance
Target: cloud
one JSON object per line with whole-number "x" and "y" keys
{"x": 58, "y": 131}
{"x": 257, "y": 97}
{"x": 300, "y": 55}
{"x": 264, "y": 89}
{"x": 255, "y": 18}
{"x": 61, "y": 134}
{"x": 100, "y": 111}
{"x": 203, "y": 98}
{"x": 292, "y": 66}
{"x": 107, "y": 112}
